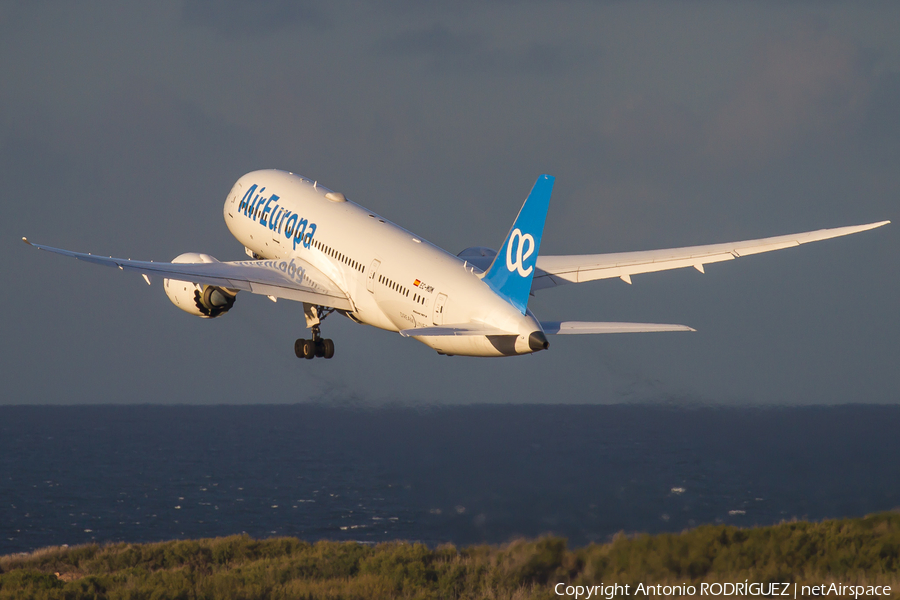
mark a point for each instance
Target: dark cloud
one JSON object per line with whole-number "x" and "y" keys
{"x": 434, "y": 42}
{"x": 880, "y": 131}
{"x": 809, "y": 91}
{"x": 121, "y": 130}
{"x": 444, "y": 50}
{"x": 805, "y": 88}
{"x": 253, "y": 17}
{"x": 12, "y": 13}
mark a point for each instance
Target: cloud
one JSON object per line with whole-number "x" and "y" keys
{"x": 435, "y": 42}
{"x": 808, "y": 87}
{"x": 444, "y": 50}
{"x": 881, "y": 128}
{"x": 243, "y": 17}
{"x": 799, "y": 93}
{"x": 650, "y": 130}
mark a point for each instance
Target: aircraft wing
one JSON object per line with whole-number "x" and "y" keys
{"x": 582, "y": 327}
{"x": 558, "y": 270}
{"x": 293, "y": 279}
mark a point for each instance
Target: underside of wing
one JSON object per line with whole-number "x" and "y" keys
{"x": 558, "y": 270}
{"x": 587, "y": 327}
{"x": 291, "y": 279}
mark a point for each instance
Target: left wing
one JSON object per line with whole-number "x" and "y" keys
{"x": 581, "y": 327}
{"x": 559, "y": 270}
{"x": 293, "y": 279}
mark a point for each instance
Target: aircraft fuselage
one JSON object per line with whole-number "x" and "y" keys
{"x": 395, "y": 279}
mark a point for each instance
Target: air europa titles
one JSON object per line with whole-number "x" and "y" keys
{"x": 269, "y": 213}
{"x": 290, "y": 268}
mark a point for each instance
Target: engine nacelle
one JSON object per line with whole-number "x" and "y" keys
{"x": 200, "y": 300}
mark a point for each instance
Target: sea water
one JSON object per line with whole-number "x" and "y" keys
{"x": 460, "y": 474}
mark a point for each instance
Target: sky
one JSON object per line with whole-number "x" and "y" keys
{"x": 124, "y": 125}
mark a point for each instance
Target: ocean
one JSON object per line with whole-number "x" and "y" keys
{"x": 461, "y": 474}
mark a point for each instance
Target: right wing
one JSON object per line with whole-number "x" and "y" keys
{"x": 578, "y": 268}
{"x": 293, "y": 279}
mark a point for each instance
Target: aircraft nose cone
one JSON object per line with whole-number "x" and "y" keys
{"x": 538, "y": 341}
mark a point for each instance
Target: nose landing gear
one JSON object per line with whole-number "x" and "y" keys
{"x": 317, "y": 346}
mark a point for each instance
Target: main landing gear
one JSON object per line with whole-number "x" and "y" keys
{"x": 317, "y": 346}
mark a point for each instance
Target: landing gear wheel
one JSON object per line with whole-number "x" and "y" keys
{"x": 324, "y": 348}
{"x": 317, "y": 346}
{"x": 305, "y": 349}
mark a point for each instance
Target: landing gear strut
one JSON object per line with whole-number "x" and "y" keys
{"x": 317, "y": 346}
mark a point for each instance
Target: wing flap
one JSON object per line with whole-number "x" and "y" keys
{"x": 575, "y": 274}
{"x": 766, "y": 248}
{"x": 587, "y": 327}
{"x": 559, "y": 270}
{"x": 291, "y": 279}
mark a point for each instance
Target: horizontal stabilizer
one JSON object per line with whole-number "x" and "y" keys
{"x": 454, "y": 330}
{"x": 581, "y": 327}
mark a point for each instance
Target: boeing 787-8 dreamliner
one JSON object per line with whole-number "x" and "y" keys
{"x": 310, "y": 244}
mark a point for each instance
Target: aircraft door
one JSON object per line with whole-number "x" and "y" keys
{"x": 439, "y": 309}
{"x": 373, "y": 269}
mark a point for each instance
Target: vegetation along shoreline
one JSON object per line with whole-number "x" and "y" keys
{"x": 847, "y": 552}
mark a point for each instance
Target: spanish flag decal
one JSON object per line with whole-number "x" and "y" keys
{"x": 416, "y": 283}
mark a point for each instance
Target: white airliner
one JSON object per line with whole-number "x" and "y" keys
{"x": 312, "y": 245}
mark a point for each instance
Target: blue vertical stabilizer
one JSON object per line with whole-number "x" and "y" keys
{"x": 511, "y": 272}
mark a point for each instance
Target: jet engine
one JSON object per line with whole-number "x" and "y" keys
{"x": 206, "y": 301}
